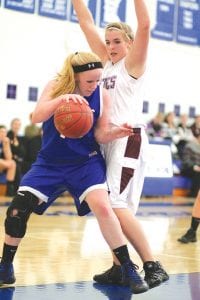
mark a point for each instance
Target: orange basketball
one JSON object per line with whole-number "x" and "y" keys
{"x": 73, "y": 120}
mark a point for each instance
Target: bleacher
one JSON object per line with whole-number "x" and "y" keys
{"x": 177, "y": 185}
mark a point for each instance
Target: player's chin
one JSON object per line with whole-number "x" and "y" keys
{"x": 89, "y": 93}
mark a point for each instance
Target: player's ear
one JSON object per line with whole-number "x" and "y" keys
{"x": 76, "y": 77}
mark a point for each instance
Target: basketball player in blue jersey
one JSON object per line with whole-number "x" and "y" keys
{"x": 124, "y": 58}
{"x": 75, "y": 165}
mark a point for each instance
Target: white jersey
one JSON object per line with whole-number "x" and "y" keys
{"x": 125, "y": 157}
{"x": 126, "y": 93}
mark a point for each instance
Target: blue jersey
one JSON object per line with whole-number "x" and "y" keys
{"x": 56, "y": 149}
{"x": 75, "y": 165}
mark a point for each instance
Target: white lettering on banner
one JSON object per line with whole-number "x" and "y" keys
{"x": 167, "y": 1}
{"x": 189, "y": 5}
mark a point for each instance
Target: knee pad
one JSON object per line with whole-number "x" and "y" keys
{"x": 19, "y": 212}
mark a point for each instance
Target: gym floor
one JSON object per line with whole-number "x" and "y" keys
{"x": 61, "y": 252}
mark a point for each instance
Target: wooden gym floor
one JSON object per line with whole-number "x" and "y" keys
{"x": 61, "y": 252}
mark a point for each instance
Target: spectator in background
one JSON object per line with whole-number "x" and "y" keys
{"x": 184, "y": 134}
{"x": 33, "y": 147}
{"x": 155, "y": 127}
{"x": 7, "y": 164}
{"x": 31, "y": 130}
{"x": 191, "y": 164}
{"x": 171, "y": 132}
{"x": 190, "y": 235}
{"x": 18, "y": 149}
{"x": 195, "y": 127}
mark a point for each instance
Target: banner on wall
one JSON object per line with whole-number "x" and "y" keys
{"x": 112, "y": 11}
{"x": 188, "y": 24}
{"x": 178, "y": 20}
{"x": 165, "y": 16}
{"x": 27, "y": 6}
{"x": 53, "y": 8}
{"x": 104, "y": 11}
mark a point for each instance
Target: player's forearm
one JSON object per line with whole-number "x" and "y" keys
{"x": 83, "y": 13}
{"x": 142, "y": 14}
{"x": 111, "y": 133}
{"x": 45, "y": 109}
{"x": 103, "y": 136}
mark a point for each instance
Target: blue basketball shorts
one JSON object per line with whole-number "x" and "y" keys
{"x": 47, "y": 181}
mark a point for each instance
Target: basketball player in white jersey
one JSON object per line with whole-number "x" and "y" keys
{"x": 124, "y": 57}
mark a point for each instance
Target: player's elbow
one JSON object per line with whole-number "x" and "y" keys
{"x": 99, "y": 136}
{"x": 36, "y": 118}
{"x": 145, "y": 26}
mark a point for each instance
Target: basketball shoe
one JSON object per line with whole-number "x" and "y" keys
{"x": 132, "y": 278}
{"x": 188, "y": 237}
{"x": 110, "y": 276}
{"x": 154, "y": 273}
{"x": 7, "y": 275}
{"x": 125, "y": 275}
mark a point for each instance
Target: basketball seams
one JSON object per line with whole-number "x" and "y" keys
{"x": 81, "y": 119}
{"x": 75, "y": 121}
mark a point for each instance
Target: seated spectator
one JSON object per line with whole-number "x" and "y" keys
{"x": 33, "y": 147}
{"x": 155, "y": 127}
{"x": 191, "y": 164}
{"x": 7, "y": 164}
{"x": 195, "y": 127}
{"x": 170, "y": 132}
{"x": 184, "y": 134}
{"x": 32, "y": 129}
{"x": 17, "y": 143}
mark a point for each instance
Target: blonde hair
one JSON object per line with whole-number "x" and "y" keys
{"x": 125, "y": 29}
{"x": 65, "y": 79}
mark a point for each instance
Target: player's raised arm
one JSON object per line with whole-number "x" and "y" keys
{"x": 90, "y": 30}
{"x": 136, "y": 58}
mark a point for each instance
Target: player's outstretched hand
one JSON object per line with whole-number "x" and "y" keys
{"x": 122, "y": 130}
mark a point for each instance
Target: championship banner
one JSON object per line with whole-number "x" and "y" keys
{"x": 56, "y": 9}
{"x": 27, "y": 6}
{"x": 165, "y": 20}
{"x": 112, "y": 11}
{"x": 188, "y": 25}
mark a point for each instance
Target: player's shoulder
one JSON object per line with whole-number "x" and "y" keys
{"x": 51, "y": 83}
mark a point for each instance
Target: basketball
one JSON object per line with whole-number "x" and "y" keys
{"x": 73, "y": 120}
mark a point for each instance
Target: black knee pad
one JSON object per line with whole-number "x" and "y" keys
{"x": 19, "y": 212}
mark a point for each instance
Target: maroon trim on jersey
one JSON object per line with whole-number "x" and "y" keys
{"x": 132, "y": 151}
{"x": 127, "y": 174}
{"x": 133, "y": 144}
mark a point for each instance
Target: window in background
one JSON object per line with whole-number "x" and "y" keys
{"x": 32, "y": 94}
{"x": 161, "y": 107}
{"x": 192, "y": 112}
{"x": 145, "y": 107}
{"x": 177, "y": 110}
{"x": 11, "y": 91}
